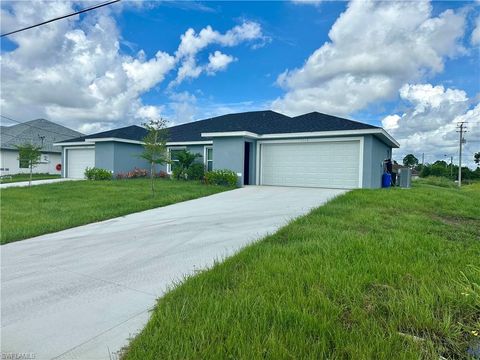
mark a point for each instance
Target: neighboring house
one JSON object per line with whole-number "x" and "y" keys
{"x": 38, "y": 132}
{"x": 262, "y": 147}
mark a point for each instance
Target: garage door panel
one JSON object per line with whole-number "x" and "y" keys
{"x": 314, "y": 164}
{"x": 78, "y": 160}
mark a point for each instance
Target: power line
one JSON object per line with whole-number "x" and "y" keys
{"x": 36, "y": 127}
{"x": 61, "y": 17}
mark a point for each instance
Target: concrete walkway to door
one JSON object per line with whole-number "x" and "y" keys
{"x": 82, "y": 292}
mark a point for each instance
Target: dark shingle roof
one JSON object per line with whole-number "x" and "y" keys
{"x": 133, "y": 132}
{"x": 33, "y": 131}
{"x": 258, "y": 122}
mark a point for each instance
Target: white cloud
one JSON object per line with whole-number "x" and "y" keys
{"x": 218, "y": 61}
{"x": 73, "y": 71}
{"x": 475, "y": 39}
{"x": 192, "y": 43}
{"x": 182, "y": 107}
{"x": 429, "y": 123}
{"x": 390, "y": 122}
{"x": 307, "y": 2}
{"x": 374, "y": 48}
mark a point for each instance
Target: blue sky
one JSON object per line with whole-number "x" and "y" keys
{"x": 411, "y": 67}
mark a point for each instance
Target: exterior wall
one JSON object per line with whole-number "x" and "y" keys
{"x": 127, "y": 156}
{"x": 228, "y": 153}
{"x": 374, "y": 153}
{"x": 252, "y": 164}
{"x": 105, "y": 155}
{"x": 9, "y": 160}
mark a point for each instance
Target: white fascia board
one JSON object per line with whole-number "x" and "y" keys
{"x": 390, "y": 139}
{"x": 377, "y": 131}
{"x": 231, "y": 134}
{"x": 74, "y": 143}
{"x": 175, "y": 143}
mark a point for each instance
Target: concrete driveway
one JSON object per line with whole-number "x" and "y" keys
{"x": 35, "y": 182}
{"x": 81, "y": 293}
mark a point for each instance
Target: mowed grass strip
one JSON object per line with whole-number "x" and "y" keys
{"x": 42, "y": 209}
{"x": 374, "y": 274}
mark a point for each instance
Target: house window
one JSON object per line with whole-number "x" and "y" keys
{"x": 209, "y": 158}
{"x": 23, "y": 163}
{"x": 173, "y": 157}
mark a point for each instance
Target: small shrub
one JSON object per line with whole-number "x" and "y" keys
{"x": 97, "y": 174}
{"x": 178, "y": 173}
{"x": 196, "y": 171}
{"x": 162, "y": 175}
{"x": 135, "y": 173}
{"x": 223, "y": 177}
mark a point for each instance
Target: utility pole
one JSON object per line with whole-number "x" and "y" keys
{"x": 462, "y": 128}
{"x": 451, "y": 167}
{"x": 423, "y": 159}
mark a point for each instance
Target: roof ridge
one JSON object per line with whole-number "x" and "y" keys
{"x": 334, "y": 116}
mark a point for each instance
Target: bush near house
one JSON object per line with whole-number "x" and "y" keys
{"x": 196, "y": 171}
{"x": 134, "y": 174}
{"x": 162, "y": 175}
{"x": 97, "y": 174}
{"x": 222, "y": 177}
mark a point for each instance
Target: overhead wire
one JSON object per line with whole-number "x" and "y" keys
{"x": 61, "y": 17}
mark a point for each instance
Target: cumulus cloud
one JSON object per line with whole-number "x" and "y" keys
{"x": 218, "y": 61}
{"x": 374, "y": 48}
{"x": 74, "y": 72}
{"x": 429, "y": 123}
{"x": 192, "y": 43}
{"x": 475, "y": 39}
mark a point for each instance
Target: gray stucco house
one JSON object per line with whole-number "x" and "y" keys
{"x": 262, "y": 147}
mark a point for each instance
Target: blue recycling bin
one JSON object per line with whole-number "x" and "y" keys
{"x": 386, "y": 180}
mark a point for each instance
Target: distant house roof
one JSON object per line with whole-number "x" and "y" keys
{"x": 32, "y": 132}
{"x": 258, "y": 122}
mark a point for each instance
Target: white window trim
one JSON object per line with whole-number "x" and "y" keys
{"x": 258, "y": 175}
{"x": 205, "y": 159}
{"x": 169, "y": 166}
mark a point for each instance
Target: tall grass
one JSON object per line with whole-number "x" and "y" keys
{"x": 374, "y": 274}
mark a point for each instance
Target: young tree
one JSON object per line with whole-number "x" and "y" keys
{"x": 155, "y": 146}
{"x": 29, "y": 154}
{"x": 476, "y": 158}
{"x": 410, "y": 160}
{"x": 184, "y": 159}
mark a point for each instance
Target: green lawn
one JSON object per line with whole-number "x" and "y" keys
{"x": 26, "y": 177}
{"x": 41, "y": 209}
{"x": 375, "y": 274}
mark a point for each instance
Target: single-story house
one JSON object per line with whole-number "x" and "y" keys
{"x": 39, "y": 132}
{"x": 262, "y": 147}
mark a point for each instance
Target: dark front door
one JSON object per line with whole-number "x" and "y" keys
{"x": 246, "y": 164}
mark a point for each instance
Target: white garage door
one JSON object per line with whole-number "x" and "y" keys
{"x": 78, "y": 160}
{"x": 332, "y": 164}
